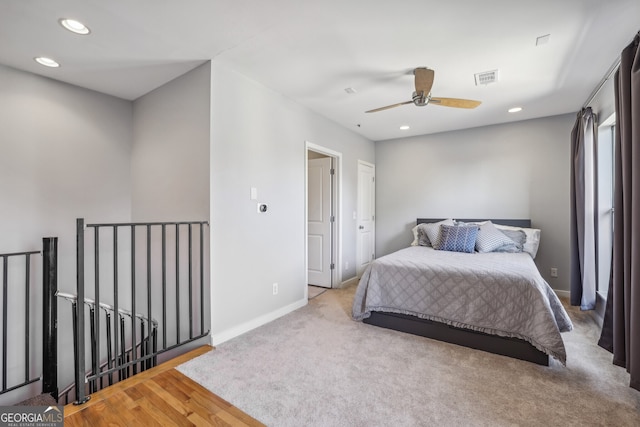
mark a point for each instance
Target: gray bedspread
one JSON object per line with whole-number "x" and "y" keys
{"x": 496, "y": 293}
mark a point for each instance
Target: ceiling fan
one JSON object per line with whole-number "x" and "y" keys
{"x": 422, "y": 95}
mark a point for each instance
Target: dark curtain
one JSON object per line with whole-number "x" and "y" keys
{"x": 621, "y": 327}
{"x": 583, "y": 210}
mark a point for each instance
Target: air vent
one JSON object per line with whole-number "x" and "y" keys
{"x": 543, "y": 39}
{"x": 486, "y": 77}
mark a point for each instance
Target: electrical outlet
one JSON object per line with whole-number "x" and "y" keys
{"x": 275, "y": 289}
{"x": 554, "y": 272}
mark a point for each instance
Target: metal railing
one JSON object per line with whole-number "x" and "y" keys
{"x": 23, "y": 282}
{"x": 121, "y": 357}
{"x": 130, "y": 349}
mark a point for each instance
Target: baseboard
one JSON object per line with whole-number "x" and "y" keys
{"x": 562, "y": 294}
{"x": 349, "y": 282}
{"x": 236, "y": 331}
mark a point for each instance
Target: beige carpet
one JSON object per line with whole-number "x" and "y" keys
{"x": 317, "y": 367}
{"x": 314, "y": 291}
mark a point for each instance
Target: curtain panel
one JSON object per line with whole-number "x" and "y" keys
{"x": 583, "y": 211}
{"x": 621, "y": 326}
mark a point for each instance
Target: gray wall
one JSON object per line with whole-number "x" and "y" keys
{"x": 173, "y": 154}
{"x": 170, "y": 157}
{"x": 65, "y": 152}
{"x": 515, "y": 170}
{"x": 258, "y": 140}
{"x": 170, "y": 182}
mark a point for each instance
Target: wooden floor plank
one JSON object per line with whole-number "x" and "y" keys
{"x": 159, "y": 396}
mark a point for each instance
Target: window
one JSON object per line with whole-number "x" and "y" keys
{"x": 605, "y": 182}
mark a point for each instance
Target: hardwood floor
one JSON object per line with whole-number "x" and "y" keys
{"x": 161, "y": 396}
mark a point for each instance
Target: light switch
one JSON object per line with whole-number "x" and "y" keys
{"x": 254, "y": 193}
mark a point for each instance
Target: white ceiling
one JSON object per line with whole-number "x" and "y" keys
{"x": 311, "y": 51}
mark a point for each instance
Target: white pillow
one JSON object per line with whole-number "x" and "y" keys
{"x": 490, "y": 238}
{"x": 414, "y": 230}
{"x": 533, "y": 238}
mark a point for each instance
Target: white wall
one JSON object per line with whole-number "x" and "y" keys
{"x": 258, "y": 140}
{"x": 64, "y": 153}
{"x": 515, "y": 170}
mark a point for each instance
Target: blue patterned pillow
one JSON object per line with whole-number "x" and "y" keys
{"x": 461, "y": 238}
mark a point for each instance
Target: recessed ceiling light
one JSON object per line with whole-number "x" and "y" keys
{"x": 515, "y": 109}
{"x": 74, "y": 26}
{"x": 404, "y": 127}
{"x": 47, "y": 62}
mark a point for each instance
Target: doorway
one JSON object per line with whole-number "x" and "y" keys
{"x": 322, "y": 216}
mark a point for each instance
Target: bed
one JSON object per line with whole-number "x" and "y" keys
{"x": 495, "y": 301}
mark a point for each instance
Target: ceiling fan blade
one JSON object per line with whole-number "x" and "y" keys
{"x": 388, "y": 107}
{"x": 424, "y": 80}
{"x": 455, "y": 102}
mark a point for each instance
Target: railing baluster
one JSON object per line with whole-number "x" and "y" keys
{"x": 123, "y": 372}
{"x": 155, "y": 345}
{"x": 142, "y": 347}
{"x": 177, "y": 283}
{"x": 74, "y": 316}
{"x": 201, "y": 278}
{"x": 109, "y": 348}
{"x": 133, "y": 296}
{"x": 94, "y": 363}
{"x": 27, "y": 297}
{"x": 148, "y": 276}
{"x": 116, "y": 327}
{"x": 96, "y": 344}
{"x": 80, "y": 356}
{"x": 164, "y": 286}
{"x": 190, "y": 283}
{"x": 5, "y": 306}
{"x": 50, "y": 316}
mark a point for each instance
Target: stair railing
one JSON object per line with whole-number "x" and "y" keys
{"x": 189, "y": 283}
{"x": 24, "y": 280}
{"x": 122, "y": 358}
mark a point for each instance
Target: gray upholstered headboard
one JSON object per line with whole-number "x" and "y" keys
{"x": 525, "y": 223}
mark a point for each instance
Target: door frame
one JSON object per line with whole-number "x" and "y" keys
{"x": 336, "y": 273}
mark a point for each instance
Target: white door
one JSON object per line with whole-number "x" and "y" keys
{"x": 320, "y": 221}
{"x": 365, "y": 245}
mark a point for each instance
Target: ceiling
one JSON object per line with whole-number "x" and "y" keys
{"x": 311, "y": 52}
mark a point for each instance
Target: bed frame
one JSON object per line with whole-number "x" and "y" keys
{"x": 505, "y": 346}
